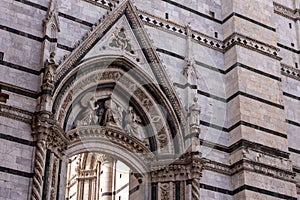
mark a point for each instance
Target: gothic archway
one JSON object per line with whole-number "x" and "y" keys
{"x": 111, "y": 105}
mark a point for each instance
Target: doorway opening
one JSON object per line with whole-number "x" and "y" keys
{"x": 97, "y": 176}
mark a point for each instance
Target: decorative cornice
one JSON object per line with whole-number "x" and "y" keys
{"x": 290, "y": 71}
{"x": 255, "y": 45}
{"x": 103, "y": 3}
{"x": 264, "y": 169}
{"x": 218, "y": 167}
{"x": 221, "y": 46}
{"x": 286, "y": 12}
{"x": 16, "y": 113}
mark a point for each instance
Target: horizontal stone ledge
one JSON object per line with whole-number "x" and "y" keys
{"x": 237, "y": 64}
{"x": 263, "y": 191}
{"x": 292, "y": 122}
{"x": 19, "y": 90}
{"x": 16, "y": 172}
{"x": 17, "y": 140}
{"x": 246, "y": 144}
{"x": 253, "y": 166}
{"x": 291, "y": 96}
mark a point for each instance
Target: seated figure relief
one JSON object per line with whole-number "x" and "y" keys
{"x": 107, "y": 112}
{"x": 89, "y": 115}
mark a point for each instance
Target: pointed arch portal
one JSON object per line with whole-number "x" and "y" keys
{"x": 111, "y": 98}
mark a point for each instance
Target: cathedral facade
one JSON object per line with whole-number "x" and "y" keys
{"x": 151, "y": 100}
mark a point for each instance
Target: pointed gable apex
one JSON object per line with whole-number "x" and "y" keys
{"x": 127, "y": 9}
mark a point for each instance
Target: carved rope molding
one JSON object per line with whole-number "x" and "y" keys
{"x": 16, "y": 113}
{"x": 221, "y": 46}
{"x": 290, "y": 71}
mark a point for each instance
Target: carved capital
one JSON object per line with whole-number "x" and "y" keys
{"x": 187, "y": 167}
{"x": 45, "y": 128}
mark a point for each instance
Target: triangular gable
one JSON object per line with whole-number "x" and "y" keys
{"x": 120, "y": 41}
{"x": 86, "y": 48}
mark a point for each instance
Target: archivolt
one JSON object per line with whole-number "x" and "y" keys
{"x": 121, "y": 76}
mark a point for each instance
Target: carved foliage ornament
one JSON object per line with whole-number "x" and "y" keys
{"x": 121, "y": 41}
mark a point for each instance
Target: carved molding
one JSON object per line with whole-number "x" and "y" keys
{"x": 255, "y": 45}
{"x": 103, "y": 3}
{"x": 113, "y": 135}
{"x": 250, "y": 166}
{"x": 286, "y": 12}
{"x": 116, "y": 76}
{"x": 165, "y": 191}
{"x": 89, "y": 39}
{"x": 290, "y": 71}
{"x": 39, "y": 163}
{"x": 16, "y": 113}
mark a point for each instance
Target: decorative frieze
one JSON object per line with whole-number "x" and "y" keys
{"x": 286, "y": 12}
{"x": 103, "y": 3}
{"x": 222, "y": 46}
{"x": 290, "y": 71}
{"x": 255, "y": 45}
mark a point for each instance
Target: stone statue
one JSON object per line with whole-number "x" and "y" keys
{"x": 108, "y": 115}
{"x": 131, "y": 123}
{"x": 194, "y": 113}
{"x": 50, "y": 68}
{"x": 118, "y": 115}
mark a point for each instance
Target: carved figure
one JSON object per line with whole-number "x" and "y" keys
{"x": 118, "y": 115}
{"x": 194, "y": 112}
{"x": 90, "y": 116}
{"x": 50, "y": 68}
{"x": 108, "y": 115}
{"x": 131, "y": 123}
